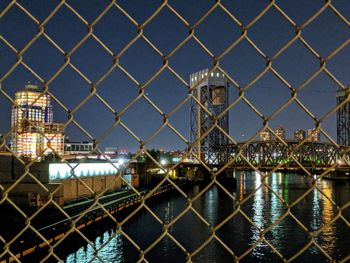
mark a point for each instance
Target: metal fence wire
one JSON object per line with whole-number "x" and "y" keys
{"x": 192, "y": 149}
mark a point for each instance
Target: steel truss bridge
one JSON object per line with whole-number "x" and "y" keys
{"x": 289, "y": 155}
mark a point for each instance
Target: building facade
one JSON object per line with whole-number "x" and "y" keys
{"x": 78, "y": 148}
{"x": 299, "y": 135}
{"x": 280, "y": 132}
{"x": 54, "y": 138}
{"x": 265, "y": 136}
{"x": 33, "y": 132}
{"x": 313, "y": 135}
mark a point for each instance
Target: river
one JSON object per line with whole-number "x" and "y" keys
{"x": 264, "y": 207}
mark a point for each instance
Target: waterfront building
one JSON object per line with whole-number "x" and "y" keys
{"x": 313, "y": 135}
{"x": 280, "y": 132}
{"x": 33, "y": 131}
{"x": 265, "y": 136}
{"x": 63, "y": 179}
{"x": 78, "y": 148}
{"x": 116, "y": 152}
{"x": 111, "y": 151}
{"x": 299, "y": 135}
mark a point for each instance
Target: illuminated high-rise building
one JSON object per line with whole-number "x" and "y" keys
{"x": 33, "y": 130}
{"x": 54, "y": 138}
{"x": 299, "y": 135}
{"x": 280, "y": 132}
{"x": 313, "y": 135}
{"x": 265, "y": 136}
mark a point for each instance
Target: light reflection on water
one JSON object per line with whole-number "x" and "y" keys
{"x": 264, "y": 208}
{"x": 322, "y": 211}
{"x": 110, "y": 250}
{"x": 327, "y": 215}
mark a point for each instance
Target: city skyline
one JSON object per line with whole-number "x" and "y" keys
{"x": 174, "y": 130}
{"x": 242, "y": 63}
{"x": 39, "y": 114}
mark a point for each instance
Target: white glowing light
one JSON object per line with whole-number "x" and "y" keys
{"x": 121, "y": 161}
{"x": 63, "y": 170}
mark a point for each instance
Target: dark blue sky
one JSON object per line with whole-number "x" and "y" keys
{"x": 166, "y": 31}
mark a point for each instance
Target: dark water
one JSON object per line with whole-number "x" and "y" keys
{"x": 317, "y": 209}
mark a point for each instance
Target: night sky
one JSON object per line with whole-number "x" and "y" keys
{"x": 166, "y": 31}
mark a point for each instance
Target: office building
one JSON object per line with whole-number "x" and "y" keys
{"x": 34, "y": 133}
{"x": 78, "y": 148}
{"x": 299, "y": 135}
{"x": 280, "y": 132}
{"x": 313, "y": 135}
{"x": 265, "y": 136}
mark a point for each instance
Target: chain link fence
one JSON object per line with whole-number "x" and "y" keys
{"x": 140, "y": 198}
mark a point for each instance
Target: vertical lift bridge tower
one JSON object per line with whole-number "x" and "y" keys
{"x": 343, "y": 118}
{"x": 211, "y": 90}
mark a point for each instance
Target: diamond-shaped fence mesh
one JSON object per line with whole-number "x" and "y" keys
{"x": 194, "y": 90}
